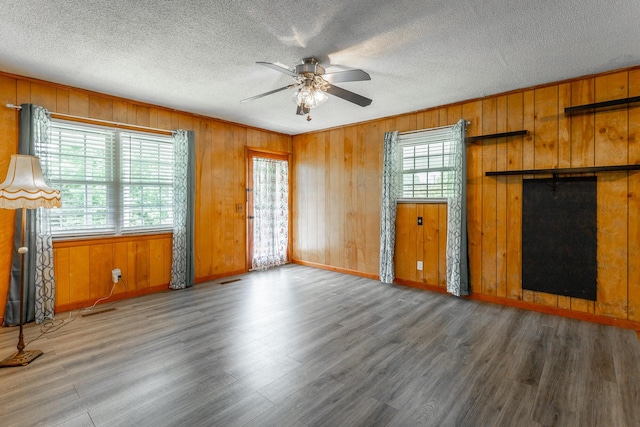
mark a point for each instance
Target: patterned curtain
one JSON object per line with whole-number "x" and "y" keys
{"x": 39, "y": 286}
{"x": 45, "y": 285}
{"x": 457, "y": 255}
{"x": 271, "y": 213}
{"x": 183, "y": 261}
{"x": 390, "y": 194}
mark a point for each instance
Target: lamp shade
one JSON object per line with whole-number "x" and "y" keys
{"x": 25, "y": 187}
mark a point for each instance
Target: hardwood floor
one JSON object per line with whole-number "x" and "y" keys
{"x": 298, "y": 346}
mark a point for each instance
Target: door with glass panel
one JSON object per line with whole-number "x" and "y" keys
{"x": 268, "y": 237}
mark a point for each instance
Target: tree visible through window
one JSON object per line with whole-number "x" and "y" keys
{"x": 112, "y": 181}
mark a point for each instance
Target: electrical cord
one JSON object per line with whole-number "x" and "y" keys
{"x": 53, "y": 325}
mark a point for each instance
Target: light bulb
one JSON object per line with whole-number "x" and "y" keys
{"x": 320, "y": 97}
{"x": 310, "y": 95}
{"x": 304, "y": 96}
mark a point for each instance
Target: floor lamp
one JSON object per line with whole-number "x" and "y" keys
{"x": 25, "y": 188}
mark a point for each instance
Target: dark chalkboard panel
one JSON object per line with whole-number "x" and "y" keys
{"x": 559, "y": 239}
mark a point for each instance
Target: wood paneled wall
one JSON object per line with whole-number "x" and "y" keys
{"x": 337, "y": 187}
{"x": 425, "y": 243}
{"x": 83, "y": 266}
{"x": 338, "y": 178}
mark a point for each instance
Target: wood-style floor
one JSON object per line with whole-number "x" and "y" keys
{"x": 297, "y": 346}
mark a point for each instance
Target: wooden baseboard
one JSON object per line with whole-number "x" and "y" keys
{"x": 594, "y": 318}
{"x": 115, "y": 297}
{"x": 136, "y": 293}
{"x": 336, "y": 269}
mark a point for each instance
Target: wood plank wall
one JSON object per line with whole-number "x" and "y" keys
{"x": 338, "y": 178}
{"x": 337, "y": 186}
{"x": 83, "y": 266}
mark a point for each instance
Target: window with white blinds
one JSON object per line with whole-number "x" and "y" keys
{"x": 146, "y": 178}
{"x": 111, "y": 181}
{"x": 426, "y": 164}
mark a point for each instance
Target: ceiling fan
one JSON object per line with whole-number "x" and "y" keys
{"x": 313, "y": 85}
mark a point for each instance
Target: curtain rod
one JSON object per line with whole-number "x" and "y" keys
{"x": 103, "y": 122}
{"x": 436, "y": 128}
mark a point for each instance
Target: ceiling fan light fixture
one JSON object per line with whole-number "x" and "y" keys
{"x": 312, "y": 93}
{"x": 310, "y": 97}
{"x": 313, "y": 85}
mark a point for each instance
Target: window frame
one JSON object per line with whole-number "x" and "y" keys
{"x": 114, "y": 193}
{"x": 439, "y": 135}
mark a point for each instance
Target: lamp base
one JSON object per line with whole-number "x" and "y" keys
{"x": 21, "y": 358}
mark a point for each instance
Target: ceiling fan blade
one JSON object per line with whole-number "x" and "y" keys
{"x": 269, "y": 93}
{"x": 348, "y": 96}
{"x": 346, "y": 76}
{"x": 279, "y": 68}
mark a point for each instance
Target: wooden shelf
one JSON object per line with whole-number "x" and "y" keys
{"x": 602, "y": 106}
{"x": 497, "y": 135}
{"x": 565, "y": 171}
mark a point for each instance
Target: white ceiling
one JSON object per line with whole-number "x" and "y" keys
{"x": 200, "y": 56}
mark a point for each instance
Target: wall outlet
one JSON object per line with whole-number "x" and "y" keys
{"x": 116, "y": 274}
{"x": 419, "y": 267}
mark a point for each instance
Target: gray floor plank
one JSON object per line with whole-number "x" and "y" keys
{"x": 297, "y": 346}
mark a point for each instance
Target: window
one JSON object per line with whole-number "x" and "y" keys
{"x": 112, "y": 181}
{"x": 426, "y": 164}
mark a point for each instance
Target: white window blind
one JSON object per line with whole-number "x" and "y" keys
{"x": 426, "y": 164}
{"x": 111, "y": 181}
{"x": 147, "y": 181}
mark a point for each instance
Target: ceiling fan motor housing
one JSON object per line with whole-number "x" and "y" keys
{"x": 309, "y": 65}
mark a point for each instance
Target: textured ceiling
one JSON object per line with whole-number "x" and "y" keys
{"x": 200, "y": 55}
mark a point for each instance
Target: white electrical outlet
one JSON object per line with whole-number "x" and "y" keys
{"x": 116, "y": 274}
{"x": 419, "y": 267}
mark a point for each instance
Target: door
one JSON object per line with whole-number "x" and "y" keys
{"x": 268, "y": 201}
